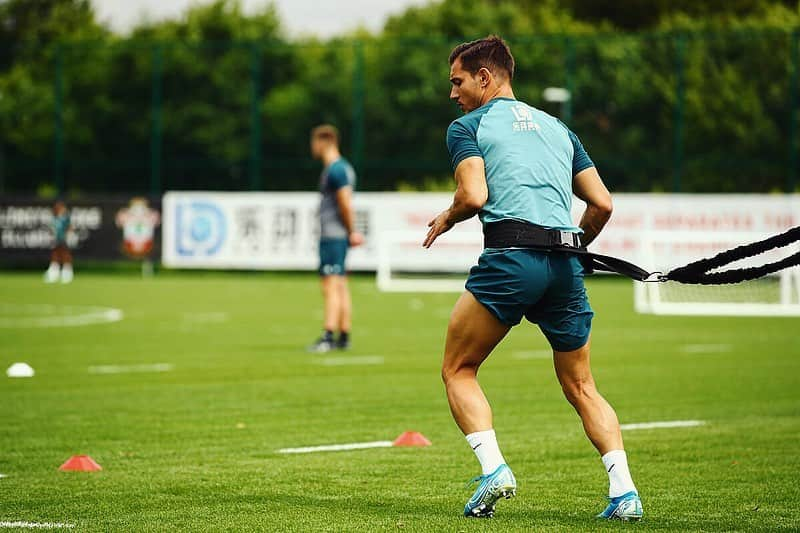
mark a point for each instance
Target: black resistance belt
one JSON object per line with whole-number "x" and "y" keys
{"x": 518, "y": 234}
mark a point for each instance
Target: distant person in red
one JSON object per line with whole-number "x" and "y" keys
{"x": 60, "y": 258}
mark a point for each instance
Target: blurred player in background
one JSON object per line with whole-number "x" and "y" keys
{"x": 337, "y": 234}
{"x": 60, "y": 257}
{"x": 518, "y": 167}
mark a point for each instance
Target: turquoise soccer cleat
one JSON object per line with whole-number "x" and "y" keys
{"x": 625, "y": 507}
{"x": 498, "y": 484}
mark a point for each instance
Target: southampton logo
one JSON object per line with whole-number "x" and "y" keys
{"x": 138, "y": 222}
{"x": 524, "y": 119}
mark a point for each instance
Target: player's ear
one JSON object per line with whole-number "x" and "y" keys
{"x": 484, "y": 77}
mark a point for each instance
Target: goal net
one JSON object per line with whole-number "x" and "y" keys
{"x": 405, "y": 266}
{"x": 775, "y": 295}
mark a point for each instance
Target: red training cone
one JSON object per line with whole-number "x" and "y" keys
{"x": 411, "y": 438}
{"x": 80, "y": 463}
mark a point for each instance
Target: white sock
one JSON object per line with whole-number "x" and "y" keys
{"x": 66, "y": 273}
{"x": 52, "y": 273}
{"x": 619, "y": 477}
{"x": 484, "y": 444}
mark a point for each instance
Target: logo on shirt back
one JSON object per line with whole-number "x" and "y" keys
{"x": 524, "y": 119}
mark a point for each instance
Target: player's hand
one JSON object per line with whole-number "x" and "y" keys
{"x": 356, "y": 239}
{"x": 438, "y": 225}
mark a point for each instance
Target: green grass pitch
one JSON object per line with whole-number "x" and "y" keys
{"x": 194, "y": 448}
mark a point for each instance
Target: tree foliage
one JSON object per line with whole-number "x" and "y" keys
{"x": 700, "y": 92}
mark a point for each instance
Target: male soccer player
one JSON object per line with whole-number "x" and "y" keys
{"x": 337, "y": 234}
{"x": 60, "y": 257}
{"x": 517, "y": 168}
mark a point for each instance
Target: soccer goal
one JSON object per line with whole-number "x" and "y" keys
{"x": 405, "y": 266}
{"x": 775, "y": 295}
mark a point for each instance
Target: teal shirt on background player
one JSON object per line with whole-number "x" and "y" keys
{"x": 333, "y": 237}
{"x": 530, "y": 159}
{"x": 335, "y": 176}
{"x": 60, "y": 227}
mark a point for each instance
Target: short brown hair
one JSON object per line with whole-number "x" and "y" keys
{"x": 326, "y": 132}
{"x": 491, "y": 53}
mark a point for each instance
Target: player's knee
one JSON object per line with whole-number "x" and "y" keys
{"x": 449, "y": 371}
{"x": 447, "y": 374}
{"x": 452, "y": 369}
{"x": 330, "y": 285}
{"x": 578, "y": 390}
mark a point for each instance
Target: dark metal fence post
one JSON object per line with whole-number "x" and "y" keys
{"x": 358, "y": 108}
{"x": 255, "y": 117}
{"x": 794, "y": 102}
{"x": 680, "y": 96}
{"x": 2, "y": 168}
{"x": 58, "y": 120}
{"x": 569, "y": 46}
{"x": 156, "y": 110}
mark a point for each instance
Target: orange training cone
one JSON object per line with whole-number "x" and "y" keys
{"x": 411, "y": 438}
{"x": 80, "y": 463}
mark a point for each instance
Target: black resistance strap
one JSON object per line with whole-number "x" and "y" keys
{"x": 516, "y": 234}
{"x": 700, "y": 273}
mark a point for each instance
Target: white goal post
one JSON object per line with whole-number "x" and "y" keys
{"x": 775, "y": 295}
{"x": 405, "y": 266}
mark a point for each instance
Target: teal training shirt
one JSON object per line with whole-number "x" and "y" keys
{"x": 335, "y": 176}
{"x": 530, "y": 159}
{"x": 60, "y": 227}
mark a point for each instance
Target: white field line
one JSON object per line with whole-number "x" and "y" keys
{"x": 2, "y": 476}
{"x": 206, "y": 318}
{"x": 532, "y": 354}
{"x": 706, "y": 348}
{"x": 69, "y": 316}
{"x": 388, "y": 443}
{"x": 354, "y": 360}
{"x": 339, "y": 447}
{"x": 664, "y": 424}
{"x": 415, "y": 304}
{"x": 130, "y": 369}
{"x": 19, "y": 524}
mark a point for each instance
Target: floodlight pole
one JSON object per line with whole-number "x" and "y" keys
{"x": 559, "y": 95}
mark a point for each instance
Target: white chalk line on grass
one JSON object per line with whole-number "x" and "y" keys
{"x": 130, "y": 369}
{"x": 339, "y": 447}
{"x": 2, "y": 476}
{"x": 56, "y": 316}
{"x": 387, "y": 443}
{"x": 195, "y": 321}
{"x": 706, "y": 348}
{"x": 212, "y": 317}
{"x": 532, "y": 354}
{"x": 664, "y": 424}
{"x": 351, "y": 360}
{"x": 21, "y": 524}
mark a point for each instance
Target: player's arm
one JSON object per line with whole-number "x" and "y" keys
{"x": 344, "y": 199}
{"x": 470, "y": 196}
{"x": 588, "y": 186}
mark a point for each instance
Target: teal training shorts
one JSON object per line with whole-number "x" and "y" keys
{"x": 332, "y": 254}
{"x": 544, "y": 287}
